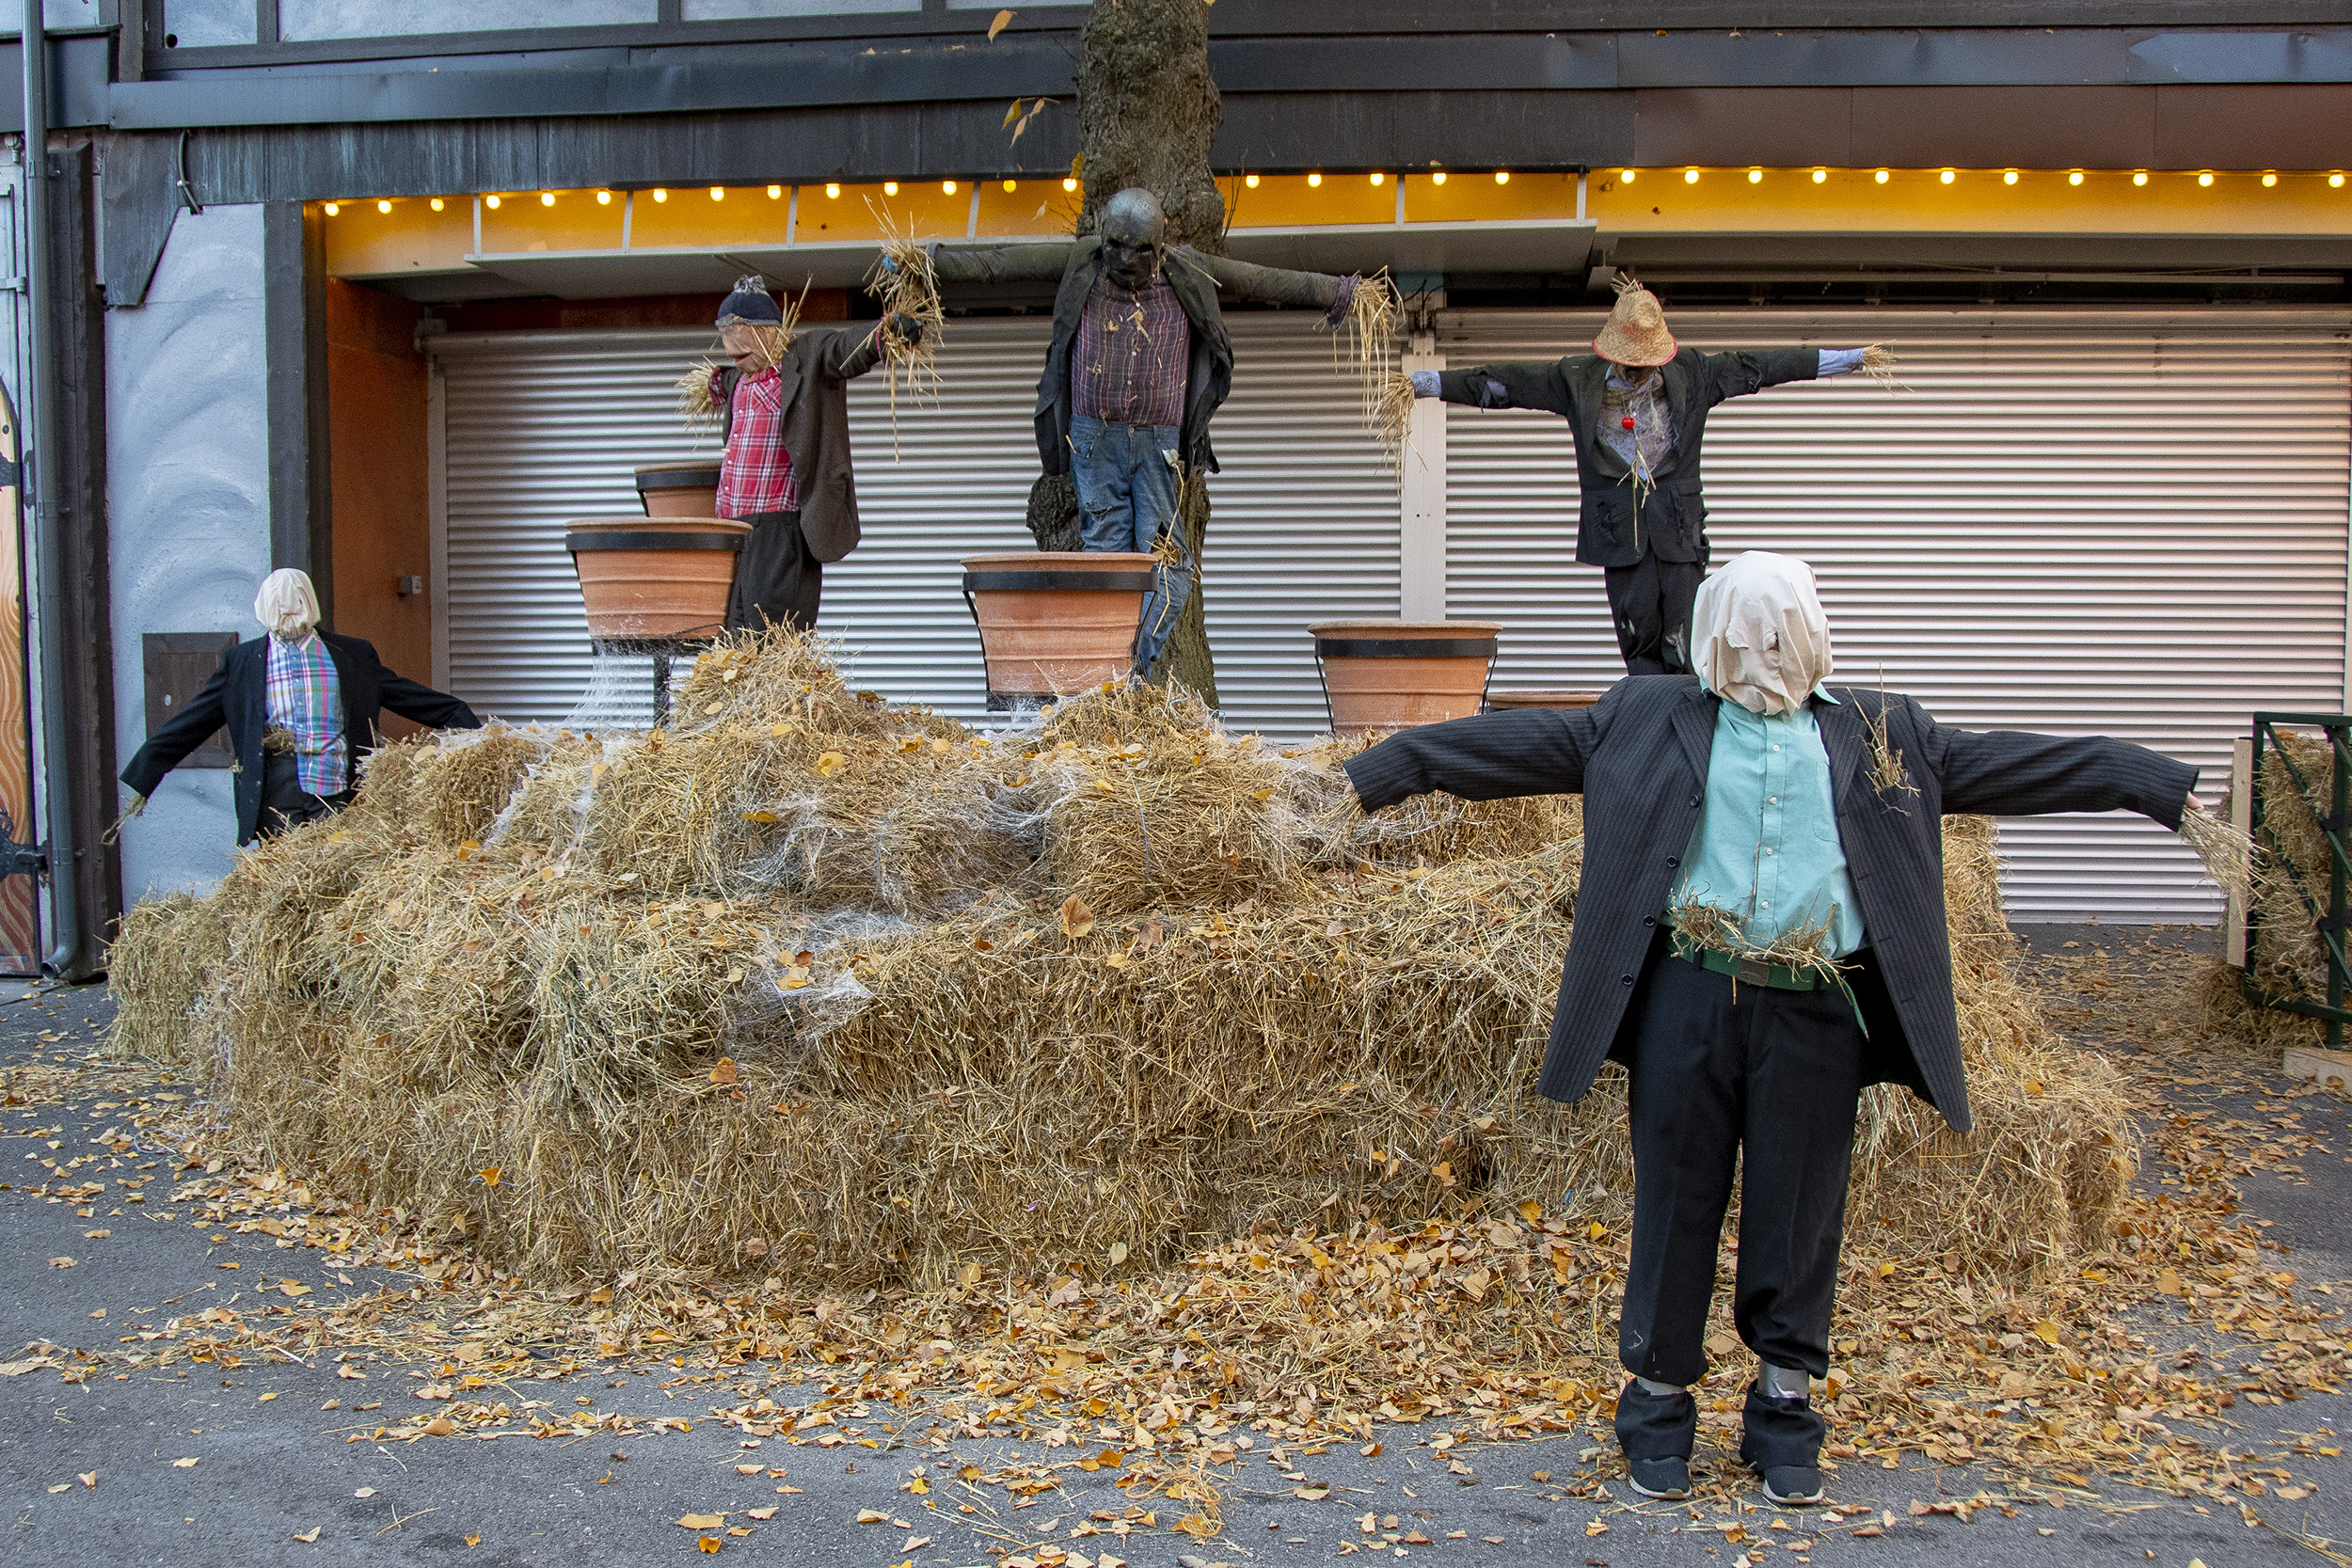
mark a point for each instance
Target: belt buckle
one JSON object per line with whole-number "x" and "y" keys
{"x": 1755, "y": 970}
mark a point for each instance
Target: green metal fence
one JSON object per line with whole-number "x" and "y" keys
{"x": 2336, "y": 828}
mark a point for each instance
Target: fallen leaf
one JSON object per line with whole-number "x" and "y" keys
{"x": 709, "y": 1543}
{"x": 828, "y": 765}
{"x": 96, "y": 1235}
{"x": 365, "y": 1492}
{"x": 1076, "y": 919}
{"x": 701, "y": 1521}
{"x": 872, "y": 1516}
{"x": 473, "y": 1540}
{"x": 61, "y": 1486}
{"x": 490, "y": 1175}
{"x": 266, "y": 1397}
{"x": 1003, "y": 19}
{"x": 61, "y": 1262}
{"x": 738, "y": 1530}
{"x": 727, "y": 1072}
{"x": 89, "y": 1478}
{"x": 311, "y": 1536}
{"x": 184, "y": 1464}
{"x": 1119, "y": 1253}
{"x": 762, "y": 1514}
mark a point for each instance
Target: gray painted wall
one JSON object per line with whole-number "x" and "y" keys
{"x": 187, "y": 458}
{"x": 199, "y": 24}
{"x": 303, "y": 20}
{"x": 722, "y": 10}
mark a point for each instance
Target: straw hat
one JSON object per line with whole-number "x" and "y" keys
{"x": 1636, "y": 331}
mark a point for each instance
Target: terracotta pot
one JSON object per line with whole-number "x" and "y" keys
{"x": 1500, "y": 701}
{"x": 678, "y": 489}
{"x": 1393, "y": 674}
{"x": 1055, "y": 622}
{"x": 655, "y": 579}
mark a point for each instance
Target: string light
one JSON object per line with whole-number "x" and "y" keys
{"x": 332, "y": 208}
{"x": 382, "y": 205}
{"x": 2335, "y": 181}
{"x": 2076, "y": 178}
{"x": 718, "y": 193}
{"x": 438, "y": 204}
{"x": 1248, "y": 180}
{"x": 492, "y": 202}
{"x": 775, "y": 193}
{"x": 1756, "y": 176}
{"x": 547, "y": 198}
{"x": 604, "y": 198}
{"x": 2008, "y": 177}
{"x": 2270, "y": 178}
{"x": 2139, "y": 177}
{"x": 1314, "y": 180}
{"x": 658, "y": 194}
{"x": 1377, "y": 176}
{"x": 833, "y": 191}
{"x": 1947, "y": 176}
{"x": 890, "y": 187}
{"x": 1010, "y": 187}
{"x": 1071, "y": 183}
{"x": 1881, "y": 177}
{"x": 2205, "y": 178}
{"x": 1821, "y": 176}
{"x": 1625, "y": 176}
{"x": 1690, "y": 175}
{"x": 949, "y": 186}
{"x": 1502, "y": 177}
{"x": 1438, "y": 178}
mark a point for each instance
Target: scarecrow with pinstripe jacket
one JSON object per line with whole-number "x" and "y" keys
{"x": 1760, "y": 934}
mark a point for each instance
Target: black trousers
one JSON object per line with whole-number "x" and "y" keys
{"x": 777, "y": 580}
{"x": 1651, "y": 601}
{"x": 285, "y": 803}
{"x": 1716, "y": 1069}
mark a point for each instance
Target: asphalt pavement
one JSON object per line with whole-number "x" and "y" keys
{"x": 255, "y": 1463}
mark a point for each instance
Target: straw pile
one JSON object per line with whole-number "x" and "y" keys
{"x": 2291, "y": 865}
{"x": 816, "y": 987}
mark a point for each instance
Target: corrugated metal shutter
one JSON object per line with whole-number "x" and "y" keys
{"x": 542, "y": 428}
{"x": 2111, "y": 522}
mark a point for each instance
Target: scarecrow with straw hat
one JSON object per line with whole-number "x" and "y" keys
{"x": 1637, "y": 408}
{"x": 1762, "y": 934}
{"x": 782, "y": 404}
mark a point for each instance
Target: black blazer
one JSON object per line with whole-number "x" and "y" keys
{"x": 1640, "y": 756}
{"x": 236, "y": 696}
{"x": 1673, "y": 520}
{"x": 1208, "y": 373}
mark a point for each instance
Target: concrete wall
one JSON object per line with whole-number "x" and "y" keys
{"x": 187, "y": 456}
{"x": 200, "y": 23}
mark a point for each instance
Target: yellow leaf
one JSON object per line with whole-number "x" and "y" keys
{"x": 727, "y": 1072}
{"x": 184, "y": 1464}
{"x": 2047, "y": 1330}
{"x": 1117, "y": 961}
{"x": 311, "y": 1536}
{"x": 759, "y": 816}
{"x": 762, "y": 1514}
{"x": 1530, "y": 1211}
{"x": 263, "y": 1400}
{"x": 490, "y": 1175}
{"x": 1076, "y": 919}
{"x": 2167, "y": 1283}
{"x": 701, "y": 1521}
{"x": 1003, "y": 19}
{"x": 87, "y": 1477}
{"x": 831, "y": 763}
{"x": 1597, "y": 1230}
{"x": 872, "y": 1516}
{"x": 1887, "y": 1270}
{"x": 1196, "y": 1524}
{"x": 709, "y": 1542}
{"x": 473, "y": 1540}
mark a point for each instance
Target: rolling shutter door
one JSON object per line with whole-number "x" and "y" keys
{"x": 2127, "y": 523}
{"x": 543, "y": 428}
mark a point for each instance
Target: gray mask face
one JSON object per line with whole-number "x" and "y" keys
{"x": 1134, "y": 238}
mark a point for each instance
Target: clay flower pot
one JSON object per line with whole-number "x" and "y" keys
{"x": 1055, "y": 622}
{"x": 655, "y": 579}
{"x": 1501, "y": 701}
{"x": 1393, "y": 674}
{"x": 679, "y": 489}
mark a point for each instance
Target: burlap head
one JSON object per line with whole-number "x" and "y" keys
{"x": 1636, "y": 330}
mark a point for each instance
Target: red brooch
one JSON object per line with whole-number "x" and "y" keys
{"x": 1628, "y": 421}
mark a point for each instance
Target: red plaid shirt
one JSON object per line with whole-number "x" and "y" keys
{"x": 756, "y": 474}
{"x": 1132, "y": 353}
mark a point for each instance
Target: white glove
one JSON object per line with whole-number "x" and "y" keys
{"x": 1424, "y": 384}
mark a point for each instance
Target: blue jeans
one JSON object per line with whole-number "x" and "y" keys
{"x": 1126, "y": 480}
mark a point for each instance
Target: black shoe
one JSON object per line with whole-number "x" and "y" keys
{"x": 1666, "y": 1479}
{"x": 1780, "y": 1440}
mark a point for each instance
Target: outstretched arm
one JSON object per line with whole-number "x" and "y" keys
{"x": 188, "y": 729}
{"x": 435, "y": 710}
{"x": 1325, "y": 291}
{"x": 1740, "y": 371}
{"x": 1538, "y": 752}
{"x": 1003, "y": 264}
{"x": 1535, "y": 384}
{"x": 2007, "y": 773}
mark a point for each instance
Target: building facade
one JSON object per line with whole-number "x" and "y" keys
{"x": 391, "y": 292}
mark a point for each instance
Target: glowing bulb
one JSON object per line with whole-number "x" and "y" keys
{"x": 1010, "y": 187}
{"x": 775, "y": 193}
{"x": 1502, "y": 177}
{"x": 1689, "y": 177}
{"x": 1756, "y": 176}
{"x": 2139, "y": 177}
{"x": 718, "y": 193}
{"x": 1248, "y": 180}
{"x": 332, "y": 208}
{"x": 492, "y": 202}
{"x": 1437, "y": 179}
{"x": 438, "y": 204}
{"x": 1881, "y": 177}
{"x": 1377, "y": 176}
{"x": 2270, "y": 179}
{"x": 604, "y": 198}
{"x": 1821, "y": 176}
{"x": 2335, "y": 181}
{"x": 1314, "y": 180}
{"x": 890, "y": 187}
{"x": 547, "y": 198}
{"x": 658, "y": 194}
{"x": 1072, "y": 183}
{"x": 383, "y": 206}
{"x": 2008, "y": 177}
{"x": 1947, "y": 177}
{"x": 1625, "y": 176}
{"x": 2206, "y": 178}
{"x": 2076, "y": 178}
{"x": 949, "y": 186}
{"x": 833, "y": 191}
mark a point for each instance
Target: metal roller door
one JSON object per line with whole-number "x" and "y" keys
{"x": 542, "y": 428}
{"x": 2113, "y": 522}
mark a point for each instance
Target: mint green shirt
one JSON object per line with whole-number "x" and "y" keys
{"x": 1766, "y": 849}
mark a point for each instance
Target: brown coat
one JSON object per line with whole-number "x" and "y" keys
{"x": 814, "y": 376}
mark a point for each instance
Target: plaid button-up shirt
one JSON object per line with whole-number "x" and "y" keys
{"x": 302, "y": 696}
{"x": 757, "y": 476}
{"x": 1132, "y": 353}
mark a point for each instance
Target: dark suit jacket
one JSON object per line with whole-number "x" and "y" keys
{"x": 813, "y": 380}
{"x": 1640, "y": 756}
{"x": 1673, "y": 519}
{"x": 1208, "y": 377}
{"x": 236, "y": 696}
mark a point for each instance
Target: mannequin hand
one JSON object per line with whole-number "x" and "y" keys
{"x": 2194, "y": 804}
{"x": 907, "y": 330}
{"x": 1424, "y": 384}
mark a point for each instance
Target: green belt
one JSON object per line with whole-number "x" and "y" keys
{"x": 1754, "y": 971}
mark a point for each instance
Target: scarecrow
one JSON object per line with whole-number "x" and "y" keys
{"x": 782, "y": 406}
{"x": 1138, "y": 366}
{"x": 301, "y": 707}
{"x": 1636, "y": 408}
{"x": 1762, "y": 934}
